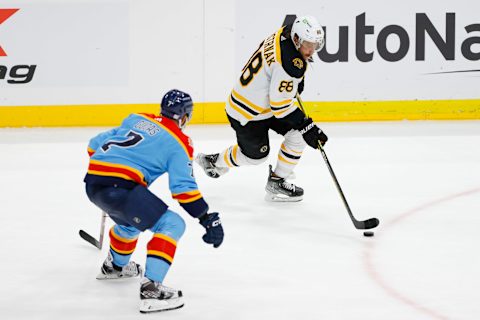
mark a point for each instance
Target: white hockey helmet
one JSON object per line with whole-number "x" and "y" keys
{"x": 307, "y": 28}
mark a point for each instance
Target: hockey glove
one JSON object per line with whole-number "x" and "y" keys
{"x": 213, "y": 226}
{"x": 301, "y": 86}
{"x": 312, "y": 134}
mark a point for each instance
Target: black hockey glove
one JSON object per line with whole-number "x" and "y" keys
{"x": 312, "y": 134}
{"x": 301, "y": 86}
{"x": 213, "y": 226}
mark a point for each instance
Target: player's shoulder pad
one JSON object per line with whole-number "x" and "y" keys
{"x": 292, "y": 61}
{"x": 169, "y": 126}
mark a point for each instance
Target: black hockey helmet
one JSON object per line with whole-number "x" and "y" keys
{"x": 176, "y": 104}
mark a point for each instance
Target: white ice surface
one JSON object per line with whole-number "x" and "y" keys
{"x": 279, "y": 261}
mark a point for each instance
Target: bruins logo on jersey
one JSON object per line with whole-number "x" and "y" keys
{"x": 297, "y": 62}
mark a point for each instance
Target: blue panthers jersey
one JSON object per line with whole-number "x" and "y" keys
{"x": 142, "y": 149}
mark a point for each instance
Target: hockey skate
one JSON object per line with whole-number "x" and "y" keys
{"x": 109, "y": 271}
{"x": 207, "y": 162}
{"x": 279, "y": 190}
{"x": 155, "y": 297}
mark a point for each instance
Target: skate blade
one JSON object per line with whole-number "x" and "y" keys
{"x": 277, "y": 198}
{"x": 102, "y": 276}
{"x": 155, "y": 305}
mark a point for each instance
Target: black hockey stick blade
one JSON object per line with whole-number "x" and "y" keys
{"x": 367, "y": 224}
{"x": 85, "y": 236}
{"x": 363, "y": 225}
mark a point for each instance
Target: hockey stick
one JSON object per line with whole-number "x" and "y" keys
{"x": 366, "y": 224}
{"x": 97, "y": 243}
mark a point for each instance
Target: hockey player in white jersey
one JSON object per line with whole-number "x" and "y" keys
{"x": 263, "y": 99}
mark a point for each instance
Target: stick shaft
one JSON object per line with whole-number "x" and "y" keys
{"x": 97, "y": 243}
{"x": 102, "y": 228}
{"x": 368, "y": 224}
{"x": 337, "y": 184}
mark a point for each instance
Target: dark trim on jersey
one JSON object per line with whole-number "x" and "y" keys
{"x": 159, "y": 258}
{"x": 195, "y": 208}
{"x": 244, "y": 107}
{"x": 296, "y": 118}
{"x": 280, "y": 108}
{"x": 289, "y": 55}
{"x": 288, "y": 155}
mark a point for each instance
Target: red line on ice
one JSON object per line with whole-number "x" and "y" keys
{"x": 375, "y": 275}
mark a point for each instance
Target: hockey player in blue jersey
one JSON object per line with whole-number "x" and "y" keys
{"x": 124, "y": 162}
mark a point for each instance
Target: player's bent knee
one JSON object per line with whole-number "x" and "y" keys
{"x": 127, "y": 232}
{"x": 256, "y": 161}
{"x": 294, "y": 140}
{"x": 256, "y": 153}
{"x": 170, "y": 224}
{"x": 176, "y": 225}
{"x": 253, "y": 155}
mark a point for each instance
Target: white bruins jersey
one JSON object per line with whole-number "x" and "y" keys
{"x": 269, "y": 81}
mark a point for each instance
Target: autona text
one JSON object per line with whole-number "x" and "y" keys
{"x": 446, "y": 41}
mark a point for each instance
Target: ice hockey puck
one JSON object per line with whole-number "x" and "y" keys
{"x": 368, "y": 234}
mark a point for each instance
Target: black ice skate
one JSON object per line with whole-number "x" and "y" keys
{"x": 207, "y": 162}
{"x": 110, "y": 271}
{"x": 279, "y": 190}
{"x": 155, "y": 297}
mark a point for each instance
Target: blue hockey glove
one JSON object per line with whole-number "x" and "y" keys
{"x": 213, "y": 226}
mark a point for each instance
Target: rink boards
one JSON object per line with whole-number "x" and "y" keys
{"x": 416, "y": 60}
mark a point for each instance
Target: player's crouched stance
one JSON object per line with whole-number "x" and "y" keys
{"x": 263, "y": 99}
{"x": 124, "y": 162}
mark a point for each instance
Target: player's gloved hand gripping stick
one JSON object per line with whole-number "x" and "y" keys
{"x": 367, "y": 224}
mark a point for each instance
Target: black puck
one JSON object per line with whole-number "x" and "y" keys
{"x": 368, "y": 234}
